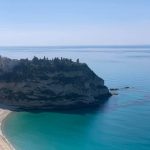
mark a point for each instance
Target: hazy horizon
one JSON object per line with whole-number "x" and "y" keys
{"x": 84, "y": 46}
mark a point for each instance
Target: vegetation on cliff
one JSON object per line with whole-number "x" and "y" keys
{"x": 36, "y": 68}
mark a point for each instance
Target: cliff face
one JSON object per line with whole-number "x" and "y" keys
{"x": 50, "y": 84}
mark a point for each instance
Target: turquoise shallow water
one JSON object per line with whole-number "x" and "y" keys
{"x": 122, "y": 123}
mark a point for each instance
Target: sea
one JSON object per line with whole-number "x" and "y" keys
{"x": 121, "y": 123}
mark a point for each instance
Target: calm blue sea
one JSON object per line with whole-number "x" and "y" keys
{"x": 122, "y": 123}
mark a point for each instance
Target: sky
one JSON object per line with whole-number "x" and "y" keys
{"x": 74, "y": 22}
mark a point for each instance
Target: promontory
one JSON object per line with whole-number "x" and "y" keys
{"x": 59, "y": 83}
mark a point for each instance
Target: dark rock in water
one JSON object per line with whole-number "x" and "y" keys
{"x": 49, "y": 84}
{"x": 114, "y": 89}
{"x": 127, "y": 87}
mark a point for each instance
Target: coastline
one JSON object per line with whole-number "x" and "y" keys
{"x": 4, "y": 143}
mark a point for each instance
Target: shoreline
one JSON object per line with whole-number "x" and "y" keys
{"x": 4, "y": 143}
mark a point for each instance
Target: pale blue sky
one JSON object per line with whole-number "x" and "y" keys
{"x": 74, "y": 22}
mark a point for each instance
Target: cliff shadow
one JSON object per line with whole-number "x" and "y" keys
{"x": 80, "y": 108}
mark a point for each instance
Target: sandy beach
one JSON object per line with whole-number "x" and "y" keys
{"x": 4, "y": 144}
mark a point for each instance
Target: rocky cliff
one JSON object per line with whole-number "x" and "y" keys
{"x": 49, "y": 84}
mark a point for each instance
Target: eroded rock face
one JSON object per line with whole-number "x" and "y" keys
{"x": 50, "y": 84}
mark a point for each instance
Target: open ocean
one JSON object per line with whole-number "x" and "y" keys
{"x": 122, "y": 123}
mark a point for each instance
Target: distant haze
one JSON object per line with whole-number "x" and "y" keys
{"x": 74, "y": 22}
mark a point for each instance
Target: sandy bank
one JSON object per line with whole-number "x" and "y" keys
{"x": 4, "y": 144}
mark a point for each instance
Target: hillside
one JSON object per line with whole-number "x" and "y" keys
{"x": 49, "y": 84}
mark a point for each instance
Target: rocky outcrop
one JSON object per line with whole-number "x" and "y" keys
{"x": 49, "y": 84}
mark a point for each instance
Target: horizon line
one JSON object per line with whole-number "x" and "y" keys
{"x": 83, "y": 46}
